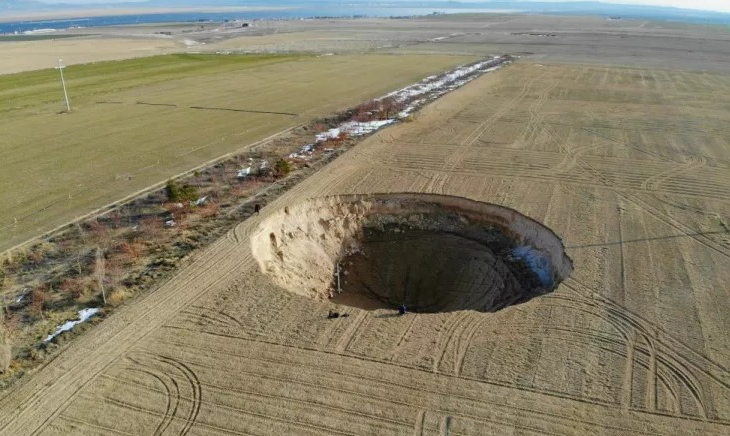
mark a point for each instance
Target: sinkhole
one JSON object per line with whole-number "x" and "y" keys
{"x": 431, "y": 253}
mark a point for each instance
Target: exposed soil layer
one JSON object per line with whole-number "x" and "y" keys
{"x": 430, "y": 253}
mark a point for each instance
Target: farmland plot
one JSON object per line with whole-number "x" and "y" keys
{"x": 626, "y": 166}
{"x": 136, "y": 123}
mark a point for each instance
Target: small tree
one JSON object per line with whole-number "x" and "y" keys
{"x": 179, "y": 194}
{"x": 282, "y": 167}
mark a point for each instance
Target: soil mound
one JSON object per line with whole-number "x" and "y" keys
{"x": 430, "y": 253}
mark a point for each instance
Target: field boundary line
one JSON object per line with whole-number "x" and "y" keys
{"x": 110, "y": 207}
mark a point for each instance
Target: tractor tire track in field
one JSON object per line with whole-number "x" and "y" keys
{"x": 170, "y": 368}
{"x": 629, "y": 332}
{"x": 536, "y": 116}
{"x": 643, "y": 205}
{"x": 172, "y": 397}
{"x": 663, "y": 359}
{"x": 418, "y": 428}
{"x": 654, "y": 182}
{"x": 464, "y": 341}
{"x": 452, "y": 324}
{"x": 439, "y": 179}
{"x": 206, "y": 316}
{"x": 254, "y": 392}
{"x": 402, "y": 338}
{"x": 110, "y": 340}
{"x": 350, "y": 332}
{"x": 103, "y": 430}
{"x": 337, "y": 380}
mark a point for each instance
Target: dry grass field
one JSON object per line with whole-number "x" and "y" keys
{"x": 135, "y": 123}
{"x": 631, "y": 167}
{"x": 18, "y": 56}
{"x": 595, "y": 40}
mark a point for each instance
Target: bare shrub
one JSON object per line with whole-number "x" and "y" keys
{"x": 36, "y": 256}
{"x": 114, "y": 272}
{"x": 74, "y": 288}
{"x": 178, "y": 211}
{"x": 130, "y": 252}
{"x": 116, "y": 220}
{"x": 39, "y": 252}
{"x": 118, "y": 295}
{"x": 151, "y": 226}
{"x": 209, "y": 209}
{"x": 366, "y": 111}
{"x": 12, "y": 324}
{"x": 99, "y": 233}
{"x": 389, "y": 106}
{"x": 37, "y": 302}
{"x": 246, "y": 187}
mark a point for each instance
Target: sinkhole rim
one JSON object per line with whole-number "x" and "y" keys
{"x": 299, "y": 247}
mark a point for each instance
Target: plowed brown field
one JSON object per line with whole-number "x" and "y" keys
{"x": 630, "y": 167}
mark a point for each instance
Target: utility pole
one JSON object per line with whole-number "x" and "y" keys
{"x": 60, "y": 68}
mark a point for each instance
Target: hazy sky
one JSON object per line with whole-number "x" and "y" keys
{"x": 711, "y": 5}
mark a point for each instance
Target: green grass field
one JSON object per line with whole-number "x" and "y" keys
{"x": 137, "y": 122}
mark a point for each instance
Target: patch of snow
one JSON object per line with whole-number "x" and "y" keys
{"x": 192, "y": 43}
{"x": 170, "y": 223}
{"x": 200, "y": 201}
{"x": 330, "y": 134}
{"x": 304, "y": 153}
{"x": 537, "y": 262}
{"x": 356, "y": 128}
{"x": 244, "y": 172}
{"x": 446, "y": 82}
{"x": 411, "y": 97}
{"x": 84, "y": 315}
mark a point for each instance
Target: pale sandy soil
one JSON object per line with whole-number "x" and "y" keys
{"x": 36, "y": 55}
{"x": 630, "y": 167}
